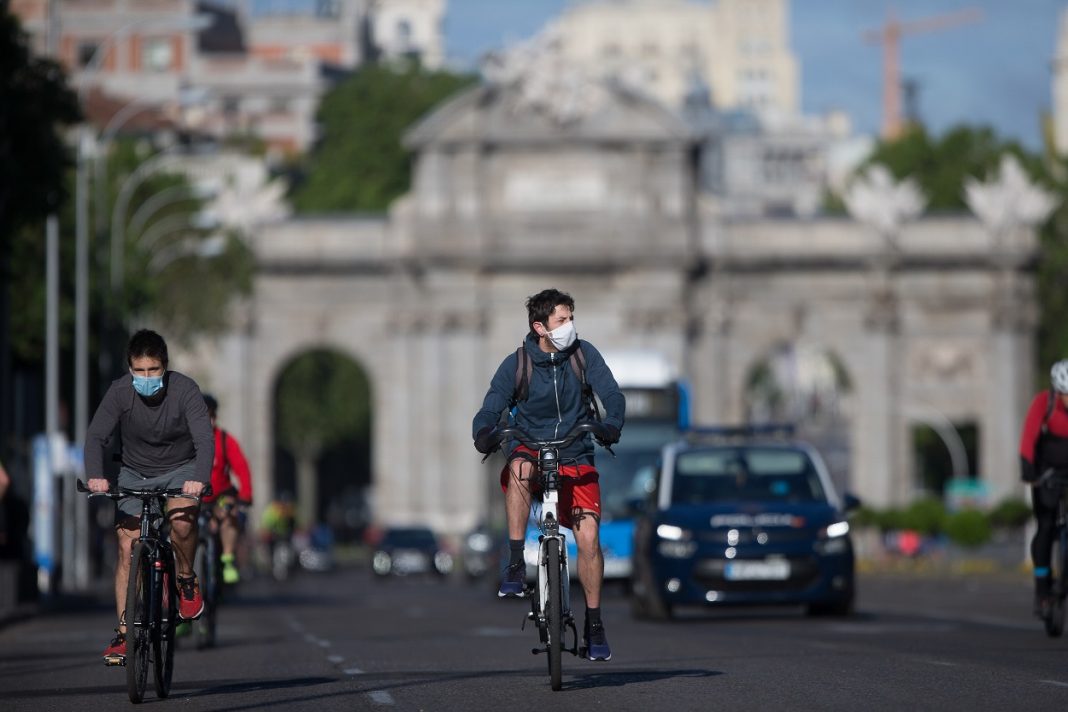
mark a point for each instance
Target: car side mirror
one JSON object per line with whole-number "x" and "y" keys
{"x": 850, "y": 502}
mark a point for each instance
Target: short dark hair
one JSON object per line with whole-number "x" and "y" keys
{"x": 146, "y": 344}
{"x": 212, "y": 404}
{"x": 542, "y": 304}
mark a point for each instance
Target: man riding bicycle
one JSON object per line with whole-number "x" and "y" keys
{"x": 165, "y": 434}
{"x": 1044, "y": 446}
{"x": 229, "y": 465}
{"x": 554, "y": 401}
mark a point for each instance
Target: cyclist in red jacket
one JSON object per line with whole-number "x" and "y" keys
{"x": 230, "y": 479}
{"x": 1044, "y": 446}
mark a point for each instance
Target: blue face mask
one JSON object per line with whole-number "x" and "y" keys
{"x": 147, "y": 385}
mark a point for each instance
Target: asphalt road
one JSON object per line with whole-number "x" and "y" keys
{"x": 343, "y": 641}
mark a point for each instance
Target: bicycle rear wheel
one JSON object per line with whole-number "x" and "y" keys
{"x": 138, "y": 623}
{"x": 554, "y": 619}
{"x": 1055, "y": 622}
{"x": 164, "y": 641}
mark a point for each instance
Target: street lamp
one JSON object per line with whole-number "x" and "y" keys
{"x": 80, "y": 569}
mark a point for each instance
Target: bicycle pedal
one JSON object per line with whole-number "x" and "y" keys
{"x": 115, "y": 661}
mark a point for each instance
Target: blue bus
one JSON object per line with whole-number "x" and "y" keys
{"x": 658, "y": 409}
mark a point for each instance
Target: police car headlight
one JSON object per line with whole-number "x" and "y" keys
{"x": 838, "y": 529}
{"x": 381, "y": 563}
{"x": 671, "y": 532}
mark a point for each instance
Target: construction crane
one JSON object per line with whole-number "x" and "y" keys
{"x": 889, "y": 36}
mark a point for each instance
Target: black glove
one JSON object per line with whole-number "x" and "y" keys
{"x": 609, "y": 436}
{"x": 486, "y": 440}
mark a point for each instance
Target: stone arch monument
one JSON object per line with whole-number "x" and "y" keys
{"x": 526, "y": 183}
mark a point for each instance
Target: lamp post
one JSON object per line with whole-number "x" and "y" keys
{"x": 80, "y": 568}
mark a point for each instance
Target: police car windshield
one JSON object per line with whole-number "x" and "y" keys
{"x": 750, "y": 473}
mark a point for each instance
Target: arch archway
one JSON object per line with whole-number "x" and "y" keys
{"x": 322, "y": 417}
{"x": 809, "y": 386}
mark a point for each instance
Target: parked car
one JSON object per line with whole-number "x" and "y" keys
{"x": 410, "y": 550}
{"x": 743, "y": 516}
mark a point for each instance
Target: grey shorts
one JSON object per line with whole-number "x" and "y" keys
{"x": 132, "y": 479}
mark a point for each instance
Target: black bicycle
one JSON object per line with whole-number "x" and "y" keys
{"x": 151, "y": 595}
{"x": 1054, "y": 622}
{"x": 550, "y": 599}
{"x": 208, "y": 568}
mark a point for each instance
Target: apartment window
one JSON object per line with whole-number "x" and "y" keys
{"x": 157, "y": 54}
{"x": 86, "y": 53}
{"x": 279, "y": 105}
{"x": 231, "y": 105}
{"x": 404, "y": 35}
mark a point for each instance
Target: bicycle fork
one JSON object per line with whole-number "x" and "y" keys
{"x": 538, "y": 603}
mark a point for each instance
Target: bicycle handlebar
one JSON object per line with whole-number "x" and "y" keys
{"x": 580, "y": 429}
{"x": 120, "y": 492}
{"x": 1053, "y": 477}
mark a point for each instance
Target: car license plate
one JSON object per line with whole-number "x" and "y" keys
{"x": 776, "y": 570}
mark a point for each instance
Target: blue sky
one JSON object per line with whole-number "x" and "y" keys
{"x": 995, "y": 72}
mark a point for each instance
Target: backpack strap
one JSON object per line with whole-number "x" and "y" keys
{"x": 524, "y": 371}
{"x": 1051, "y": 404}
{"x": 578, "y": 365}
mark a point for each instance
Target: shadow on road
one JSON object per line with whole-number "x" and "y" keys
{"x": 232, "y": 687}
{"x": 632, "y": 677}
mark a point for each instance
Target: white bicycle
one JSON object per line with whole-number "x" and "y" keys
{"x": 550, "y": 600}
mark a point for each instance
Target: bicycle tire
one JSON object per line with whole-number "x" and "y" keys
{"x": 164, "y": 642}
{"x": 204, "y": 627}
{"x": 554, "y": 619}
{"x": 138, "y": 623}
{"x": 1055, "y": 621}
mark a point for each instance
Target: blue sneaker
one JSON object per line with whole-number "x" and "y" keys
{"x": 513, "y": 584}
{"x": 596, "y": 643}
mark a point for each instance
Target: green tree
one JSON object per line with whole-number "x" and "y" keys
{"x": 941, "y": 164}
{"x": 35, "y": 104}
{"x": 323, "y": 399}
{"x": 359, "y": 163}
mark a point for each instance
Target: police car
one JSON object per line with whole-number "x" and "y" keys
{"x": 743, "y": 516}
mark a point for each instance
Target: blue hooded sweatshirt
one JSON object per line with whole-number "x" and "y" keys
{"x": 554, "y": 402}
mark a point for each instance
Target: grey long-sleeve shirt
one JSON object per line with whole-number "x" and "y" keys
{"x": 156, "y": 437}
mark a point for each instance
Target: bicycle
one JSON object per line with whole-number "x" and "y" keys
{"x": 208, "y": 569}
{"x": 151, "y": 595}
{"x": 550, "y": 600}
{"x": 1054, "y": 622}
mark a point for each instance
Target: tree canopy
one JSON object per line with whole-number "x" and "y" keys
{"x": 941, "y": 164}
{"x": 323, "y": 399}
{"x": 359, "y": 163}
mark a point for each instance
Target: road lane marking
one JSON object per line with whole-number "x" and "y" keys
{"x": 381, "y": 697}
{"x": 943, "y": 663}
{"x": 309, "y": 638}
{"x": 1055, "y": 682}
{"x": 352, "y": 671}
{"x": 325, "y": 643}
{"x": 335, "y": 659}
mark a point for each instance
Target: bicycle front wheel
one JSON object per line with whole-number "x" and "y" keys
{"x": 138, "y": 622}
{"x": 164, "y": 642}
{"x": 554, "y": 618}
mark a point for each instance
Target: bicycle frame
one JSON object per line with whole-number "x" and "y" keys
{"x": 549, "y": 523}
{"x": 552, "y": 545}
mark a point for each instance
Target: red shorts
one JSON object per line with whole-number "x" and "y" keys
{"x": 579, "y": 487}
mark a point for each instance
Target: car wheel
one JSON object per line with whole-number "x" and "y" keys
{"x": 843, "y": 607}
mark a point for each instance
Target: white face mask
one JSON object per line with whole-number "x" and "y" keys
{"x": 563, "y": 335}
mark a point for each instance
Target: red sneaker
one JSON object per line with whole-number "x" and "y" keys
{"x": 117, "y": 647}
{"x": 190, "y": 602}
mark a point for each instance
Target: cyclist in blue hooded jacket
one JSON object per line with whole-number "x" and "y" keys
{"x": 554, "y": 403}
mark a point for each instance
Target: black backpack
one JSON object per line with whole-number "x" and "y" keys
{"x": 524, "y": 371}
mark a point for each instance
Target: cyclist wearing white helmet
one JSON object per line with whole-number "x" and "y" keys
{"x": 1044, "y": 446}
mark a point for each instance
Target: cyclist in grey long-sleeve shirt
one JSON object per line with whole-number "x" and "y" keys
{"x": 167, "y": 443}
